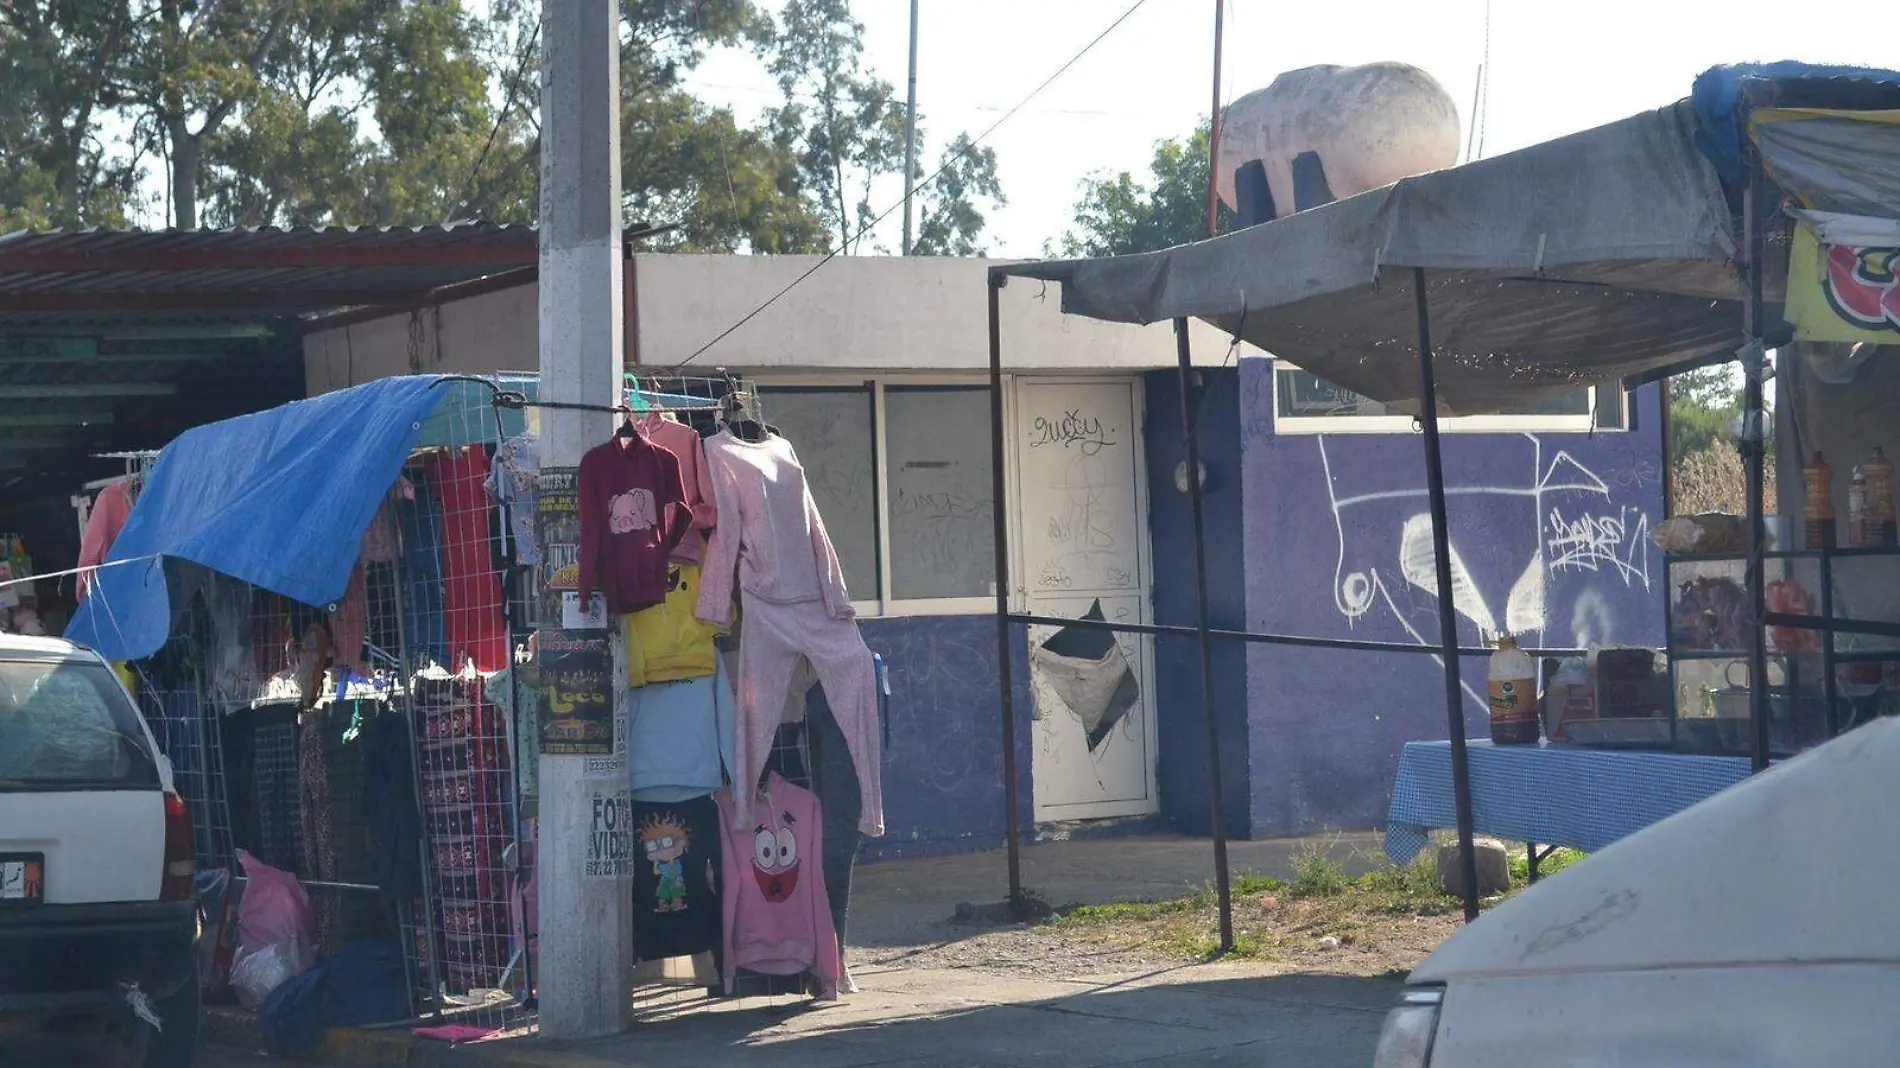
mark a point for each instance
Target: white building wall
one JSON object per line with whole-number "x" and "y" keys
{"x": 921, "y": 314}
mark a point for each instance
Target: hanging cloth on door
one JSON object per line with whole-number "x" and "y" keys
{"x": 1088, "y": 672}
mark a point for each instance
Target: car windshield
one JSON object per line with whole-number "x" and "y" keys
{"x": 68, "y": 724}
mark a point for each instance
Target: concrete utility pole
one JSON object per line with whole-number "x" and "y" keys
{"x": 586, "y": 960}
{"x": 910, "y": 127}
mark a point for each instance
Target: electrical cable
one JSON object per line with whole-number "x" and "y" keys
{"x": 934, "y": 175}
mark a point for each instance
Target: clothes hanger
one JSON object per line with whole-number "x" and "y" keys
{"x": 627, "y": 433}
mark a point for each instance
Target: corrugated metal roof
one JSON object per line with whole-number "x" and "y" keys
{"x": 250, "y": 275}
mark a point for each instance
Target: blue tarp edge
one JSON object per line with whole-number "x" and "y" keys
{"x": 279, "y": 499}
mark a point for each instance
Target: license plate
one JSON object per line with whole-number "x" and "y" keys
{"x": 22, "y": 878}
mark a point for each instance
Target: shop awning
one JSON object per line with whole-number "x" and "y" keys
{"x": 279, "y": 499}
{"x": 1598, "y": 256}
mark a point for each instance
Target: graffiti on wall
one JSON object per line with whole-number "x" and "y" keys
{"x": 1561, "y": 518}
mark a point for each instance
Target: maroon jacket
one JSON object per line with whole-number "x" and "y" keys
{"x": 633, "y": 513}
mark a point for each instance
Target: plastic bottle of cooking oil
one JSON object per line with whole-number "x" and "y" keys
{"x": 1513, "y": 694}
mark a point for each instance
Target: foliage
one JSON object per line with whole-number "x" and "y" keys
{"x": 403, "y": 112}
{"x": 1705, "y": 411}
{"x": 1316, "y": 873}
{"x": 949, "y": 223}
{"x": 1120, "y": 214}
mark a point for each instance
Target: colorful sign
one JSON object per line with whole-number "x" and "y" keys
{"x": 1843, "y": 292}
{"x": 576, "y": 694}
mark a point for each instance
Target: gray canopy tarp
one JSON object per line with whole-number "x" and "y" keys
{"x": 1595, "y": 257}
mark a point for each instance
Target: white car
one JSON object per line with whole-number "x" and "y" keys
{"x": 98, "y": 906}
{"x": 1758, "y": 928}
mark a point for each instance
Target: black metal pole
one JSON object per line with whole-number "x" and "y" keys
{"x": 999, "y": 495}
{"x": 1447, "y": 611}
{"x": 1754, "y": 441}
{"x": 1189, "y": 433}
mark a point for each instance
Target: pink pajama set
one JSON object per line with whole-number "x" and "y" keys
{"x": 792, "y": 603}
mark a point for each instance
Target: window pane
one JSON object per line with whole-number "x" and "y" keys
{"x": 832, "y": 431}
{"x": 938, "y": 446}
{"x": 66, "y": 722}
{"x": 1302, "y": 395}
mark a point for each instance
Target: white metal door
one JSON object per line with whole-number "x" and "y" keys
{"x": 1083, "y": 540}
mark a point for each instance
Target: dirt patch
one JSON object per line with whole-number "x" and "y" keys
{"x": 1381, "y": 923}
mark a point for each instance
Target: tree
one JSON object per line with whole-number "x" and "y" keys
{"x": 842, "y": 122}
{"x": 1119, "y": 214}
{"x": 58, "y": 61}
{"x": 949, "y": 223}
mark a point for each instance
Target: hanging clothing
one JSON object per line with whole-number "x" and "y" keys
{"x": 771, "y": 539}
{"x": 667, "y": 641}
{"x": 690, "y": 450}
{"x": 633, "y": 512}
{"x": 676, "y": 903}
{"x": 835, "y": 782}
{"x": 776, "y": 636}
{"x": 511, "y": 484}
{"x": 777, "y": 913}
{"x": 472, "y": 606}
{"x": 229, "y": 663}
{"x": 382, "y": 542}
{"x": 424, "y": 629}
{"x": 109, "y": 512}
{"x": 389, "y": 802}
{"x": 680, "y": 737}
{"x": 349, "y": 624}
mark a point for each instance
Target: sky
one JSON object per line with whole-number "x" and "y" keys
{"x": 1553, "y": 69}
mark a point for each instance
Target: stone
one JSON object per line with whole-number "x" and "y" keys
{"x": 1494, "y": 867}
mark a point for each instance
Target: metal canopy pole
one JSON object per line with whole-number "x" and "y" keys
{"x": 1447, "y": 611}
{"x": 1190, "y": 434}
{"x": 1754, "y": 442}
{"x": 999, "y": 494}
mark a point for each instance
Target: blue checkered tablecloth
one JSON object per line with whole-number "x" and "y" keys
{"x": 1550, "y": 794}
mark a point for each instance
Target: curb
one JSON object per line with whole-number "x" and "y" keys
{"x": 355, "y": 1047}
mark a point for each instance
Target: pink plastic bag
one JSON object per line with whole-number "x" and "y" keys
{"x": 276, "y": 932}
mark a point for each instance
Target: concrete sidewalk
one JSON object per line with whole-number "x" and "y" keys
{"x": 924, "y": 1001}
{"x": 1211, "y": 1015}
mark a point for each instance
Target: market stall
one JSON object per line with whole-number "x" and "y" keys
{"x": 1617, "y": 255}
{"x": 357, "y": 621}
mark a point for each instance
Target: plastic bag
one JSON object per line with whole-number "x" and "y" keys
{"x": 276, "y": 932}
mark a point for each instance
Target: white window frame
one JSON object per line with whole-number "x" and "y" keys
{"x": 885, "y": 604}
{"x": 1583, "y": 423}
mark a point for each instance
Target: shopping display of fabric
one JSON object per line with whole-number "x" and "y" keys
{"x": 668, "y": 641}
{"x": 677, "y": 859}
{"x": 464, "y": 786}
{"x": 473, "y": 628}
{"x": 777, "y": 914}
{"x": 423, "y": 617}
{"x": 680, "y": 737}
{"x": 633, "y": 513}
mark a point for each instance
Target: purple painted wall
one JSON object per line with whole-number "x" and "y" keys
{"x": 943, "y": 768}
{"x": 1551, "y": 534}
{"x": 1180, "y": 721}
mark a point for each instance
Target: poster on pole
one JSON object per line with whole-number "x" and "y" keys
{"x": 557, "y": 526}
{"x": 609, "y": 834}
{"x": 576, "y": 694}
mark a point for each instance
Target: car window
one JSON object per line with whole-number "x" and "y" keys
{"x": 69, "y": 724}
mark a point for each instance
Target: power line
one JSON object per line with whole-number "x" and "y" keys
{"x": 934, "y": 175}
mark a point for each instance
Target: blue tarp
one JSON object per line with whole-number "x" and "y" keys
{"x": 279, "y": 499}
{"x": 1719, "y": 135}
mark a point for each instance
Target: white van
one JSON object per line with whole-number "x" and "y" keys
{"x": 1758, "y": 928}
{"x": 98, "y": 904}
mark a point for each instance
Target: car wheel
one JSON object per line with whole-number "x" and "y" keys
{"x": 175, "y": 1044}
